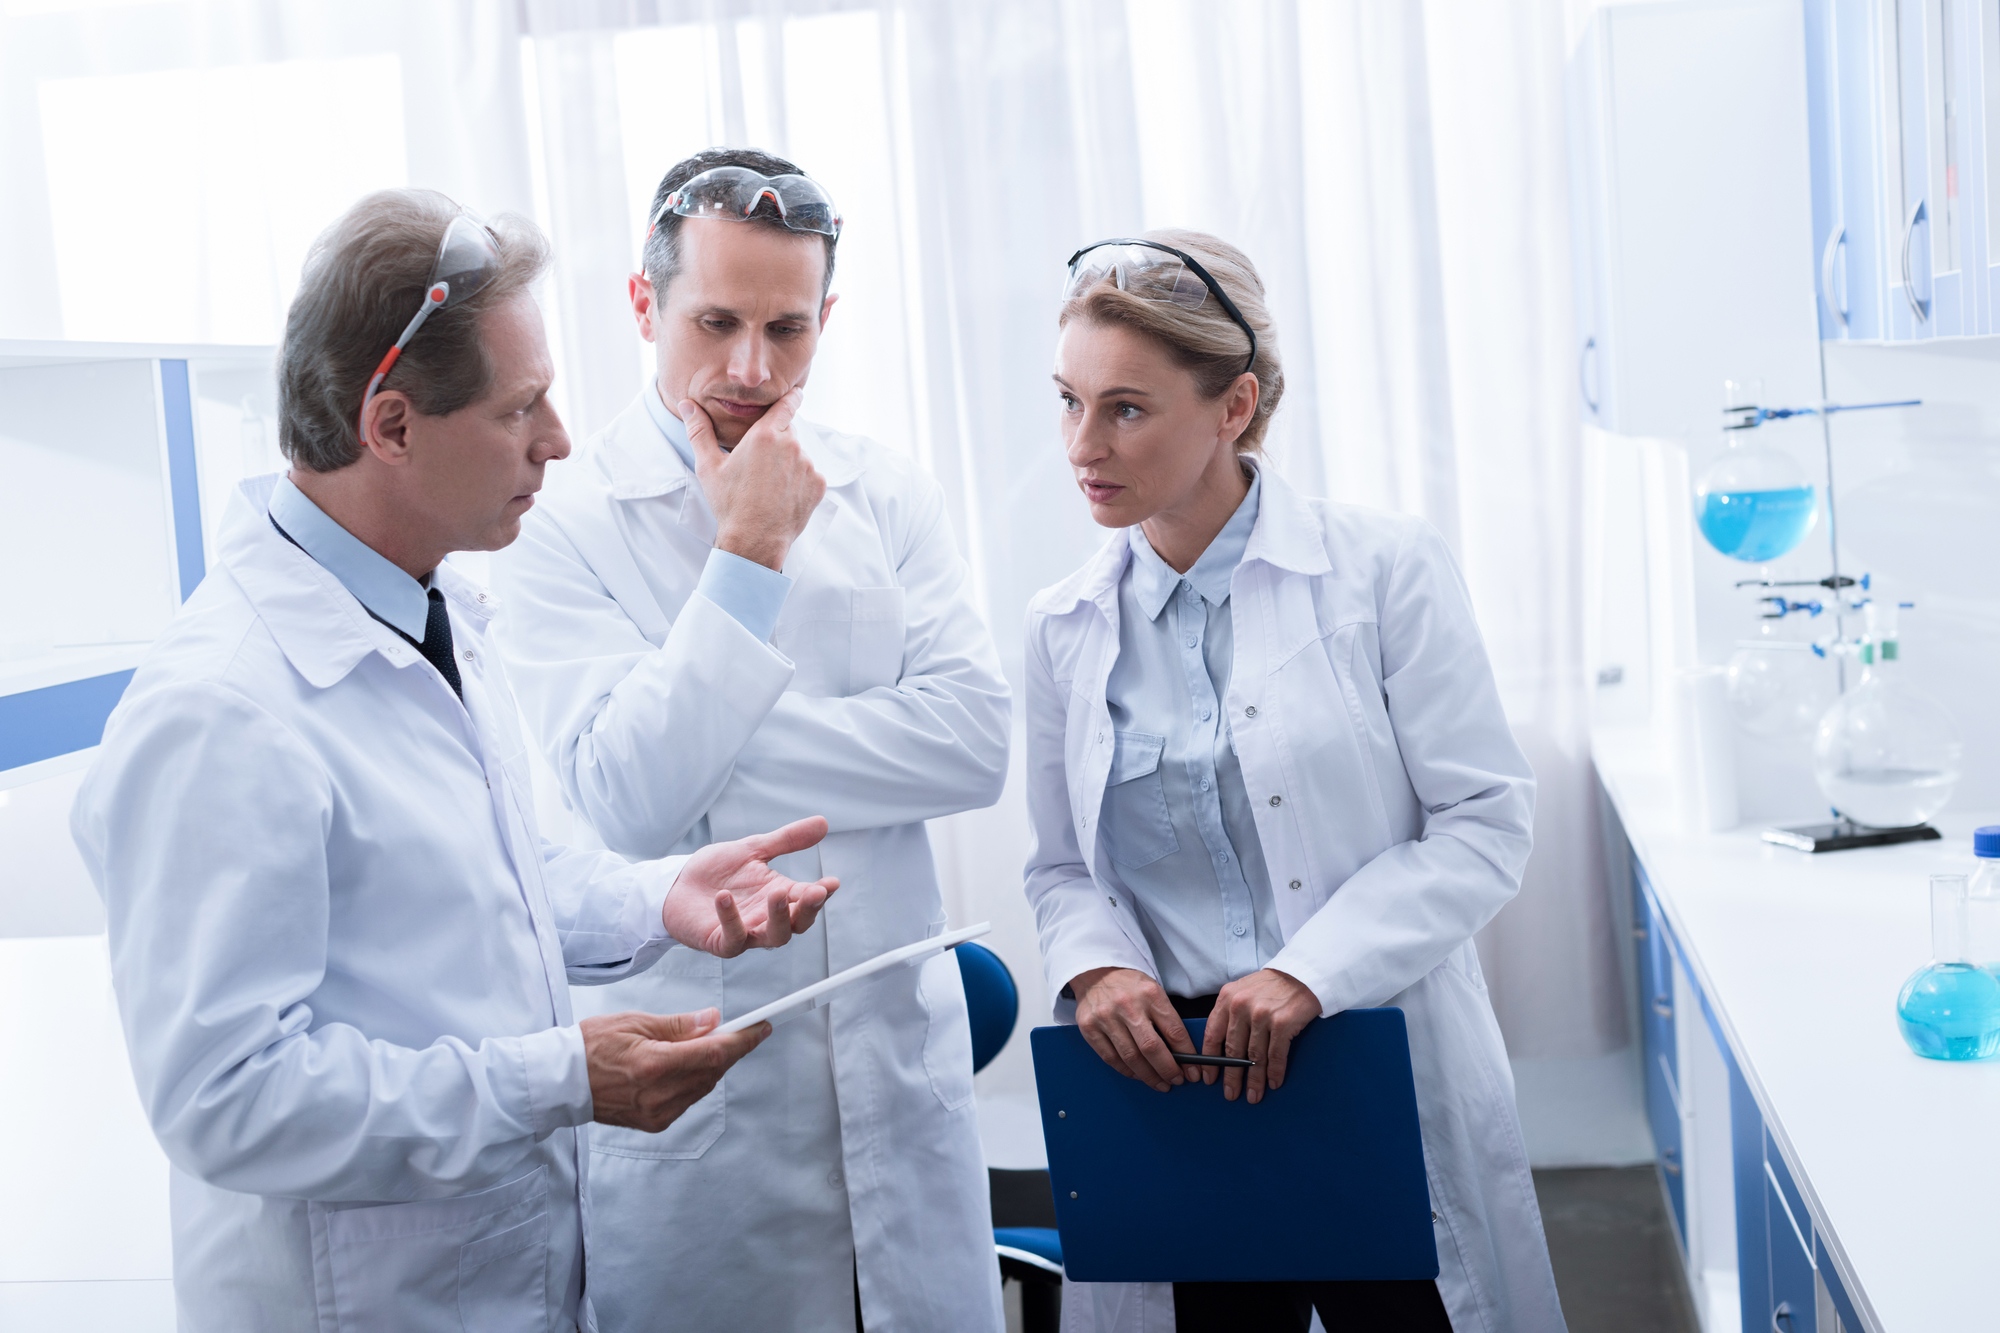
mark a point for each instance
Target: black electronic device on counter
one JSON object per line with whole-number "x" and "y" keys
{"x": 1842, "y": 834}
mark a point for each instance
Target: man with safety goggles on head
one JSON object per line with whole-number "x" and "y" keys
{"x": 721, "y": 614}
{"x": 340, "y": 946}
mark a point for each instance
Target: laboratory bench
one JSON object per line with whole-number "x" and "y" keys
{"x": 1820, "y": 1175}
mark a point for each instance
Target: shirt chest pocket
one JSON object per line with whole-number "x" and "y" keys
{"x": 1135, "y": 826}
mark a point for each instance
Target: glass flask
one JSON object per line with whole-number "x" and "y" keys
{"x": 1886, "y": 755}
{"x": 1779, "y": 687}
{"x": 1754, "y": 503}
{"x": 1950, "y": 1010}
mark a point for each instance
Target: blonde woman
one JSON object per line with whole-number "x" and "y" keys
{"x": 1269, "y": 779}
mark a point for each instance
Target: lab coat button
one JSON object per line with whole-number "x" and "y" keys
{"x": 1251, "y": 711}
{"x": 1237, "y": 929}
{"x": 1297, "y": 885}
{"x": 833, "y": 1179}
{"x": 1277, "y": 800}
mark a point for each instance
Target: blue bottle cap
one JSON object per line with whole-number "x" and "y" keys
{"x": 1986, "y": 841}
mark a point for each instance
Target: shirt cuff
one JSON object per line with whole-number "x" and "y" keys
{"x": 555, "y": 1076}
{"x": 655, "y": 896}
{"x": 750, "y": 593}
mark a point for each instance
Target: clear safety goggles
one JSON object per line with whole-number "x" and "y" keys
{"x": 468, "y": 257}
{"x": 1156, "y": 272}
{"x": 733, "y": 194}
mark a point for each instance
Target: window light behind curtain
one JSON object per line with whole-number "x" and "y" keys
{"x": 1396, "y": 171}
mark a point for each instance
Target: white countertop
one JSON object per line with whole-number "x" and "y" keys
{"x": 1802, "y": 957}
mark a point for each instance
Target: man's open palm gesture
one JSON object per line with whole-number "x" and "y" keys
{"x": 728, "y": 898}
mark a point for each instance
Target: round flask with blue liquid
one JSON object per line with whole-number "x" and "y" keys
{"x": 1754, "y": 503}
{"x": 1950, "y": 1010}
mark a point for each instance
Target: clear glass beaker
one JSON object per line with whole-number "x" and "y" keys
{"x": 1950, "y": 1010}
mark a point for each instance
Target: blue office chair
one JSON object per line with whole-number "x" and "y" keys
{"x": 1030, "y": 1255}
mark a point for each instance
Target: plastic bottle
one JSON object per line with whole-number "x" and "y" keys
{"x": 1982, "y": 901}
{"x": 1950, "y": 1010}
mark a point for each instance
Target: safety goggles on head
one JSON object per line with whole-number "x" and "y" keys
{"x": 468, "y": 257}
{"x": 1156, "y": 272}
{"x": 733, "y": 193}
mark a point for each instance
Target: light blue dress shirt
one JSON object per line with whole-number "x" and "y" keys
{"x": 751, "y": 594}
{"x": 392, "y": 596}
{"x": 1176, "y": 822}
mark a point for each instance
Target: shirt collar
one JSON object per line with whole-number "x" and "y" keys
{"x": 377, "y": 584}
{"x": 669, "y": 424}
{"x": 1154, "y": 580}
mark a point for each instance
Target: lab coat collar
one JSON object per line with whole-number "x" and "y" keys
{"x": 640, "y": 462}
{"x": 323, "y": 631}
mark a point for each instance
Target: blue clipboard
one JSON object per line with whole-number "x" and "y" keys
{"x": 1321, "y": 1181}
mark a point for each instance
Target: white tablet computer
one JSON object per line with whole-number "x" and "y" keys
{"x": 813, "y": 996}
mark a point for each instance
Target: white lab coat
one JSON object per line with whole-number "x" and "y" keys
{"x": 1394, "y": 810}
{"x": 879, "y": 703}
{"x": 339, "y": 948}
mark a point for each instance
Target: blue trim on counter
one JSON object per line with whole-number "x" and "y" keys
{"x": 57, "y": 719}
{"x": 183, "y": 474}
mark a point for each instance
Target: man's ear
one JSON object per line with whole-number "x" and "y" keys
{"x": 639, "y": 291}
{"x": 385, "y": 427}
{"x": 826, "y": 308}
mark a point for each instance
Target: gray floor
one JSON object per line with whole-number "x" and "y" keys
{"x": 1612, "y": 1245}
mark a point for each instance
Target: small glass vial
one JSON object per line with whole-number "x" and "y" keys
{"x": 1951, "y": 1009}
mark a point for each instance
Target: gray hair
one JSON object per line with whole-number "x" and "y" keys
{"x": 364, "y": 278}
{"x": 1205, "y": 340}
{"x": 662, "y": 258}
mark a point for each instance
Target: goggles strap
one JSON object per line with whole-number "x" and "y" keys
{"x": 1195, "y": 266}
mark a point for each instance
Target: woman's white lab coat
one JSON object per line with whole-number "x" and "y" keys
{"x": 340, "y": 949}
{"x": 1394, "y": 809}
{"x": 878, "y": 703}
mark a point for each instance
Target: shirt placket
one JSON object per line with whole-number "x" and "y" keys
{"x": 1239, "y": 939}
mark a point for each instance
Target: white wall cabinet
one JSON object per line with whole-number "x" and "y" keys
{"x": 1693, "y": 214}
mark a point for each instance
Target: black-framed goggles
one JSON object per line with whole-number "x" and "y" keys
{"x": 1156, "y": 272}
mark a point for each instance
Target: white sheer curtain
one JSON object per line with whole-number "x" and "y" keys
{"x": 1396, "y": 171}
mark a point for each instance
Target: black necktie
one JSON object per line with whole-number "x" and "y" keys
{"x": 436, "y": 646}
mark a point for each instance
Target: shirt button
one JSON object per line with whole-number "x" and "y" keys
{"x": 1237, "y": 929}
{"x": 481, "y": 597}
{"x": 1204, "y": 784}
{"x": 1297, "y": 885}
{"x": 468, "y": 654}
{"x": 1277, "y": 800}
{"x": 1204, "y": 715}
{"x": 834, "y": 1179}
{"x": 1251, "y": 711}
{"x": 1190, "y": 641}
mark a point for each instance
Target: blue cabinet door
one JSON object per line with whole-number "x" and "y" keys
{"x": 1842, "y": 71}
{"x": 1658, "y": 1051}
{"x": 1794, "y": 1299}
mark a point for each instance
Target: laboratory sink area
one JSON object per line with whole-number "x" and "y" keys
{"x": 1816, "y": 1167}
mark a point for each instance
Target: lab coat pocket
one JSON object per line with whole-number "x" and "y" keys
{"x": 948, "y": 1038}
{"x": 684, "y": 981}
{"x": 875, "y": 642}
{"x": 503, "y": 1279}
{"x": 485, "y": 1254}
{"x": 1135, "y": 827}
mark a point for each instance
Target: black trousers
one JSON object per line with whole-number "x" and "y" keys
{"x": 1287, "y": 1307}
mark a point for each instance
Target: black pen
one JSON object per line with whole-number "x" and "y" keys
{"x": 1225, "y": 1061}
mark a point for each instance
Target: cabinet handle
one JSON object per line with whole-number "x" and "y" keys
{"x": 1667, "y": 1162}
{"x": 1662, "y": 1008}
{"x": 1921, "y": 309}
{"x": 1584, "y": 361}
{"x": 1638, "y": 932}
{"x": 1833, "y": 244}
{"x": 1784, "y": 1313}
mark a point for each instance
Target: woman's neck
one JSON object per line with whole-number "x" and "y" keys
{"x": 1179, "y": 535}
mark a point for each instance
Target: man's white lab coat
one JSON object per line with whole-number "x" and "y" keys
{"x": 340, "y": 948}
{"x": 878, "y": 703}
{"x": 1395, "y": 813}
